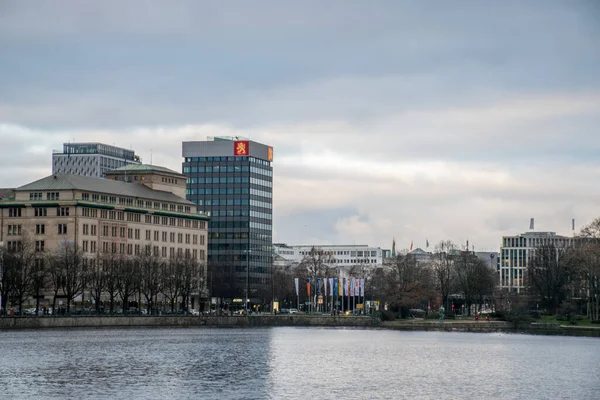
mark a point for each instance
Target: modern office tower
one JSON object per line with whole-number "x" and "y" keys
{"x": 231, "y": 179}
{"x": 91, "y": 159}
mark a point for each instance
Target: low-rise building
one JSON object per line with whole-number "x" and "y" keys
{"x": 106, "y": 218}
{"x": 341, "y": 257}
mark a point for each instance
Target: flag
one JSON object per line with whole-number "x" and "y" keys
{"x": 357, "y": 287}
{"x": 346, "y": 282}
{"x": 531, "y": 224}
{"x": 340, "y": 283}
{"x": 336, "y": 289}
{"x": 325, "y": 286}
{"x": 318, "y": 286}
{"x": 362, "y": 287}
{"x": 296, "y": 282}
{"x": 308, "y": 286}
{"x": 352, "y": 287}
{"x": 331, "y": 291}
{"x": 411, "y": 243}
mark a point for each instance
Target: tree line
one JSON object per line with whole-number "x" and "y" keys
{"x": 110, "y": 280}
{"x": 403, "y": 282}
{"x": 566, "y": 279}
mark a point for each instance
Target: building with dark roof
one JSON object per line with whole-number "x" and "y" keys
{"x": 105, "y": 219}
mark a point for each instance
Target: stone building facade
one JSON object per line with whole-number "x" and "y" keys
{"x": 106, "y": 218}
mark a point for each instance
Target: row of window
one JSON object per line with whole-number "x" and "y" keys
{"x": 211, "y": 191}
{"x": 127, "y": 201}
{"x": 263, "y": 204}
{"x": 261, "y": 182}
{"x": 258, "y": 214}
{"x": 253, "y": 236}
{"x": 262, "y": 193}
{"x": 216, "y": 169}
{"x": 238, "y": 213}
{"x": 39, "y": 212}
{"x": 17, "y": 245}
{"x": 223, "y": 202}
{"x": 40, "y": 229}
{"x": 115, "y": 215}
{"x": 152, "y": 219}
{"x": 131, "y": 249}
{"x": 228, "y": 158}
{"x": 258, "y": 225}
{"x": 261, "y": 171}
{"x": 535, "y": 242}
{"x": 228, "y": 213}
{"x": 362, "y": 253}
{"x": 221, "y": 179}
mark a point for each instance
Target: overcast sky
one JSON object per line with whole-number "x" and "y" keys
{"x": 441, "y": 120}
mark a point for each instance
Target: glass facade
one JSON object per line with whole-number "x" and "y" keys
{"x": 99, "y": 148}
{"x": 236, "y": 191}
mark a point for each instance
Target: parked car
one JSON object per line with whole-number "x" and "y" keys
{"x": 293, "y": 311}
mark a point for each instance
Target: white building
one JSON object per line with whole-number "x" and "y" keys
{"x": 343, "y": 257}
{"x": 516, "y": 250}
{"x": 91, "y": 159}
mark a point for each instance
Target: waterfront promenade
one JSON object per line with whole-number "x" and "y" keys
{"x": 267, "y": 320}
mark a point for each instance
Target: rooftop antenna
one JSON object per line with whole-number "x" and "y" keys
{"x": 150, "y": 156}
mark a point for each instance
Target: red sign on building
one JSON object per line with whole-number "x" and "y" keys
{"x": 241, "y": 148}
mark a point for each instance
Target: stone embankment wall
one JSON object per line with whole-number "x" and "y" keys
{"x": 183, "y": 321}
{"x": 493, "y": 326}
{"x": 7, "y": 323}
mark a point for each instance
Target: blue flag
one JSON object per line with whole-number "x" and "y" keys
{"x": 318, "y": 286}
{"x": 335, "y": 286}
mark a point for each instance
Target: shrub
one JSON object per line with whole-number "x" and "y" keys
{"x": 433, "y": 315}
{"x": 498, "y": 315}
{"x": 388, "y": 315}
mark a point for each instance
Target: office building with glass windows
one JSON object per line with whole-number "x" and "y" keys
{"x": 231, "y": 179}
{"x": 516, "y": 252}
{"x": 91, "y": 159}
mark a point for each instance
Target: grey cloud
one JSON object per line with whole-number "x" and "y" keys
{"x": 509, "y": 90}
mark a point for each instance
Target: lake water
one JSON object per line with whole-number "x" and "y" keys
{"x": 294, "y": 363}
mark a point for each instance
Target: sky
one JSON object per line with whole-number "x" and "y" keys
{"x": 419, "y": 121}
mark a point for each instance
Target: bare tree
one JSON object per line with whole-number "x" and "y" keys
{"x": 407, "y": 284}
{"x": 21, "y": 268}
{"x": 588, "y": 261}
{"x": 151, "y": 267}
{"x": 549, "y": 273}
{"x": 317, "y": 264}
{"x": 474, "y": 279}
{"x": 171, "y": 280}
{"x": 192, "y": 280}
{"x": 96, "y": 280}
{"x": 443, "y": 269}
{"x": 284, "y": 288}
{"x": 69, "y": 267}
{"x": 126, "y": 275}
